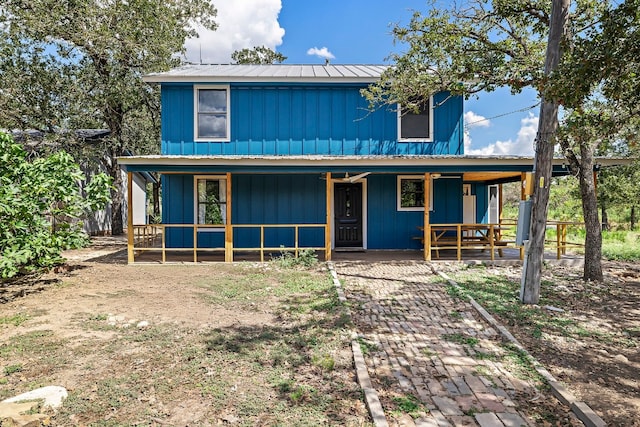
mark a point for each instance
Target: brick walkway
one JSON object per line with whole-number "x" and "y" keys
{"x": 419, "y": 341}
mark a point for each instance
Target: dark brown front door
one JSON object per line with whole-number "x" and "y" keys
{"x": 348, "y": 215}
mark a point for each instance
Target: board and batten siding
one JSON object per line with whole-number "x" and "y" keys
{"x": 305, "y": 120}
{"x": 300, "y": 199}
{"x": 389, "y": 228}
{"x": 256, "y": 199}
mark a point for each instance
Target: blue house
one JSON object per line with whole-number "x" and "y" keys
{"x": 255, "y": 158}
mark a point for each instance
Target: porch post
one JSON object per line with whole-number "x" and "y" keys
{"x": 327, "y": 229}
{"x": 523, "y": 196}
{"x": 130, "y": 256}
{"x": 426, "y": 237}
{"x": 228, "y": 228}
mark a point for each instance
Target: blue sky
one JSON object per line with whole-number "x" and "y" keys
{"x": 353, "y": 32}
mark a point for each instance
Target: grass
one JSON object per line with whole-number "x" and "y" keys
{"x": 461, "y": 339}
{"x": 500, "y": 296}
{"x": 621, "y": 245}
{"x": 409, "y": 404}
{"x": 291, "y": 371}
{"x": 15, "y": 319}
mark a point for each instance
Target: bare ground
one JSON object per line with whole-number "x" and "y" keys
{"x": 591, "y": 338}
{"x": 601, "y": 365}
{"x": 82, "y": 331}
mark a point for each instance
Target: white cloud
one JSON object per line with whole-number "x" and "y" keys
{"x": 241, "y": 24}
{"x": 321, "y": 53}
{"x": 473, "y": 120}
{"x": 522, "y": 146}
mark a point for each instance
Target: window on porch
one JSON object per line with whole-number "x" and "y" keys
{"x": 411, "y": 193}
{"x": 211, "y": 200}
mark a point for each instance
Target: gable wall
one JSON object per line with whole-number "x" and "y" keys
{"x": 304, "y": 120}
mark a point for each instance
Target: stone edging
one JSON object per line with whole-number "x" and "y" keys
{"x": 370, "y": 394}
{"x": 584, "y": 413}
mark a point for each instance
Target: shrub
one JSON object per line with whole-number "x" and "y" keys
{"x": 40, "y": 202}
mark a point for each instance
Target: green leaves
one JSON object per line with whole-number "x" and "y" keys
{"x": 40, "y": 204}
{"x": 257, "y": 55}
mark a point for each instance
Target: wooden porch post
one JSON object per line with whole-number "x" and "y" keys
{"x": 130, "y": 256}
{"x": 327, "y": 229}
{"x": 426, "y": 228}
{"x": 228, "y": 228}
{"x": 523, "y": 193}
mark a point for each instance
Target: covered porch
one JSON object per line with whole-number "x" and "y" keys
{"x": 459, "y": 239}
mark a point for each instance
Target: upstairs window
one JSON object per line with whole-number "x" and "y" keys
{"x": 211, "y": 200}
{"x": 212, "y": 113}
{"x": 416, "y": 126}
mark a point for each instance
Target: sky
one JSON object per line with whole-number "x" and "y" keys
{"x": 358, "y": 32}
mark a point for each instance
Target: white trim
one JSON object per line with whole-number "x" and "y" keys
{"x": 399, "y": 207}
{"x": 223, "y": 190}
{"x": 365, "y": 212}
{"x": 430, "y": 138}
{"x": 435, "y": 162}
{"x": 196, "y": 89}
{"x": 497, "y": 218}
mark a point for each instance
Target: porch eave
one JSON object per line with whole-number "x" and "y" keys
{"x": 322, "y": 163}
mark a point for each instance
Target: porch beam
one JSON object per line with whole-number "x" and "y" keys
{"x": 228, "y": 228}
{"x": 327, "y": 229}
{"x": 130, "y": 256}
{"x": 426, "y": 228}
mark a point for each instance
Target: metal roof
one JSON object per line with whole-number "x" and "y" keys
{"x": 270, "y": 73}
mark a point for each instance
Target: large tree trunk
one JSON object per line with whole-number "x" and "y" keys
{"x": 156, "y": 199}
{"x": 593, "y": 240}
{"x": 547, "y": 126}
{"x": 117, "y": 201}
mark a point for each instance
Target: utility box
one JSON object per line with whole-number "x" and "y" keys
{"x": 524, "y": 222}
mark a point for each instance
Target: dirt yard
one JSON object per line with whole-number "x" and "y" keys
{"x": 181, "y": 345}
{"x": 88, "y": 327}
{"x": 586, "y": 334}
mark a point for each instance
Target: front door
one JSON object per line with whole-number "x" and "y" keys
{"x": 347, "y": 206}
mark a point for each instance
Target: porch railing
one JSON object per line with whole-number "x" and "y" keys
{"x": 492, "y": 237}
{"x": 153, "y": 238}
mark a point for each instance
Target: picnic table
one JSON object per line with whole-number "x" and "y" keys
{"x": 464, "y": 236}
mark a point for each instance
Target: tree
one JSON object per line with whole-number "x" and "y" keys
{"x": 542, "y": 168}
{"x": 40, "y": 203}
{"x": 260, "y": 55}
{"x": 104, "y": 48}
{"x": 478, "y": 47}
{"x": 582, "y": 132}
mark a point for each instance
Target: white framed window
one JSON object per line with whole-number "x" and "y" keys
{"x": 416, "y": 126}
{"x": 411, "y": 193}
{"x": 210, "y": 201}
{"x": 211, "y": 107}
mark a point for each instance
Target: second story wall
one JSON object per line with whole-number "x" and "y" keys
{"x": 297, "y": 119}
